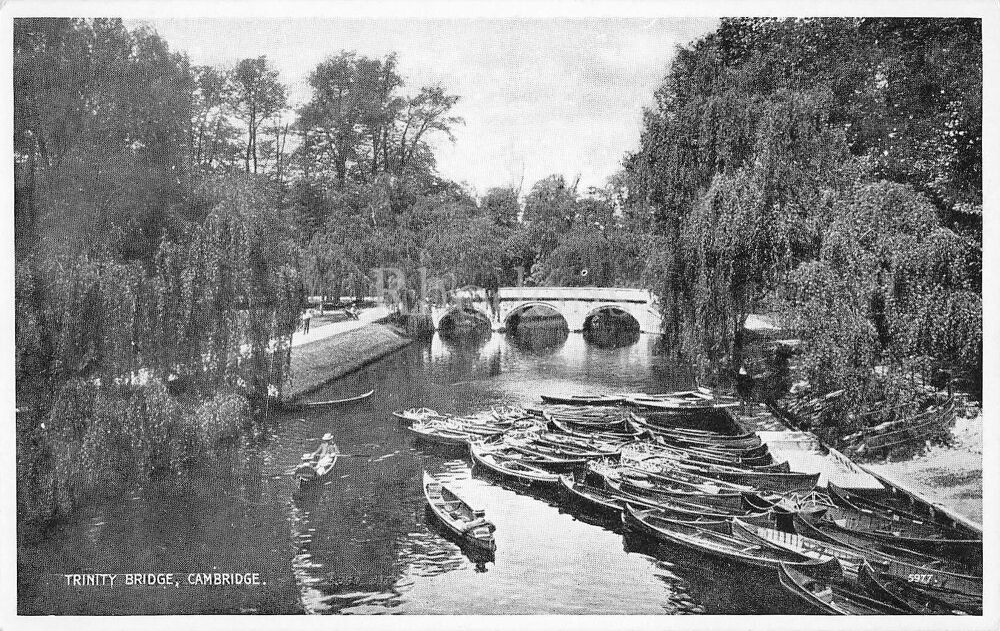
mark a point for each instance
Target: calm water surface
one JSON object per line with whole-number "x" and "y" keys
{"x": 364, "y": 542}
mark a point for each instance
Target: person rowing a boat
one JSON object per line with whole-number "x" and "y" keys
{"x": 326, "y": 449}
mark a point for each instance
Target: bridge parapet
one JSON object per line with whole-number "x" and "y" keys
{"x": 574, "y": 304}
{"x": 582, "y": 294}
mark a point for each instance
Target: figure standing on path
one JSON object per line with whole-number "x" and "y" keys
{"x": 306, "y": 317}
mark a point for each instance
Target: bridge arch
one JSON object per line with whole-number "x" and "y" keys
{"x": 511, "y": 314}
{"x": 463, "y": 316}
{"x": 612, "y": 310}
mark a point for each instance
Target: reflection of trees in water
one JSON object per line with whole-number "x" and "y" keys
{"x": 539, "y": 336}
{"x": 461, "y": 338}
{"x": 611, "y": 328}
{"x": 610, "y": 336}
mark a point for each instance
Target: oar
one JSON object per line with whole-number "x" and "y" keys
{"x": 339, "y": 455}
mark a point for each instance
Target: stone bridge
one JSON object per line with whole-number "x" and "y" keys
{"x": 577, "y": 305}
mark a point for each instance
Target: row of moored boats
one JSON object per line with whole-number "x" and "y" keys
{"x": 713, "y": 492}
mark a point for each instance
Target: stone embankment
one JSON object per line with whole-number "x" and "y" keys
{"x": 315, "y": 363}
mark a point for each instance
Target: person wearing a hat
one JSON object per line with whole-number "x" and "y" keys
{"x": 326, "y": 448}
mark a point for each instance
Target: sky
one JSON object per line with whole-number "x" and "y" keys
{"x": 538, "y": 96}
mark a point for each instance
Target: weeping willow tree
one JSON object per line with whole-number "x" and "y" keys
{"x": 767, "y": 166}
{"x": 892, "y": 304}
{"x": 764, "y": 171}
{"x": 127, "y": 370}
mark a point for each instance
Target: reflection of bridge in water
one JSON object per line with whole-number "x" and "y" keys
{"x": 579, "y": 306}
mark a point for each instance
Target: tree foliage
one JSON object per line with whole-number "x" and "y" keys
{"x": 782, "y": 170}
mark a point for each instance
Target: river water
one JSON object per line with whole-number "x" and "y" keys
{"x": 364, "y": 542}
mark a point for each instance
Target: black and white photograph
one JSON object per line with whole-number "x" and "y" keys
{"x": 446, "y": 309}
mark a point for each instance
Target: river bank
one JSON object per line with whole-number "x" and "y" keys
{"x": 319, "y": 362}
{"x": 950, "y": 475}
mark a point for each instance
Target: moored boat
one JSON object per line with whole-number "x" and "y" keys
{"x": 898, "y": 561}
{"x": 412, "y": 415}
{"x": 710, "y": 542}
{"x": 828, "y": 595}
{"x": 444, "y": 434}
{"x": 315, "y": 404}
{"x": 583, "y": 399}
{"x": 912, "y": 595}
{"x": 469, "y": 524}
{"x": 520, "y": 471}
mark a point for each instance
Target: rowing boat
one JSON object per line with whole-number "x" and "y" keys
{"x": 916, "y": 597}
{"x": 469, "y": 524}
{"x": 918, "y": 536}
{"x": 850, "y": 560}
{"x": 520, "y": 471}
{"x": 710, "y": 542}
{"x": 906, "y": 502}
{"x": 899, "y": 561}
{"x": 313, "y": 404}
{"x": 595, "y": 434}
{"x": 682, "y": 492}
{"x": 443, "y": 434}
{"x": 516, "y": 451}
{"x": 413, "y": 415}
{"x": 677, "y": 405}
{"x": 775, "y": 482}
{"x": 583, "y": 399}
{"x": 597, "y": 498}
{"x": 646, "y": 451}
{"x": 827, "y": 595}
{"x": 309, "y": 474}
{"x": 914, "y": 522}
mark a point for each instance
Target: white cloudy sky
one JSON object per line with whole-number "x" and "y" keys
{"x": 539, "y": 96}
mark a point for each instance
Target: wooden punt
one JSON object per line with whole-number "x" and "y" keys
{"x": 850, "y": 560}
{"x": 828, "y": 595}
{"x": 593, "y": 434}
{"x": 563, "y": 457}
{"x": 520, "y": 471}
{"x": 443, "y": 434}
{"x": 915, "y": 597}
{"x": 897, "y": 561}
{"x": 709, "y": 542}
{"x": 680, "y": 492}
{"x": 681, "y": 508}
{"x": 643, "y": 451}
{"x": 669, "y": 460}
{"x": 758, "y": 449}
{"x": 921, "y": 537}
{"x": 583, "y": 399}
{"x": 601, "y": 500}
{"x": 922, "y": 524}
{"x": 599, "y": 448}
{"x": 775, "y": 482}
{"x": 412, "y": 415}
{"x": 662, "y": 403}
{"x": 315, "y": 404}
{"x": 906, "y": 502}
{"x": 673, "y": 475}
{"x": 468, "y": 524}
{"x": 513, "y": 451}
{"x": 664, "y": 518}
{"x": 693, "y": 433}
{"x": 740, "y": 442}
